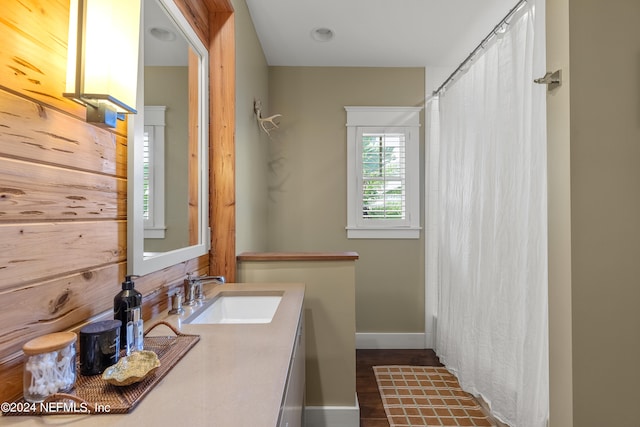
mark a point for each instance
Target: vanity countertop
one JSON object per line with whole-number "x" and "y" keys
{"x": 234, "y": 376}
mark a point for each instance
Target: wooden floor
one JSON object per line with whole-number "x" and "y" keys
{"x": 371, "y": 410}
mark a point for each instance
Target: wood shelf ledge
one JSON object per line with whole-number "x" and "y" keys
{"x": 298, "y": 256}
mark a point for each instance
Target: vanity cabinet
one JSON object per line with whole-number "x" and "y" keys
{"x": 292, "y": 410}
{"x": 330, "y": 317}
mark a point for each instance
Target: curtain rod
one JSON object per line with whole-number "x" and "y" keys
{"x": 480, "y": 46}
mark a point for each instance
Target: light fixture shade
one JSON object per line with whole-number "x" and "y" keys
{"x": 102, "y": 62}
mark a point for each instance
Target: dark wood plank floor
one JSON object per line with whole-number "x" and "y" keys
{"x": 371, "y": 410}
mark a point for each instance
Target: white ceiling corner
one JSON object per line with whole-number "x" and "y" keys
{"x": 374, "y": 33}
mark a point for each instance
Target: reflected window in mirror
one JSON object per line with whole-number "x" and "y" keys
{"x": 153, "y": 174}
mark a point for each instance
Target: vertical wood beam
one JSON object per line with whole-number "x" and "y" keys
{"x": 222, "y": 200}
{"x": 220, "y": 6}
{"x": 193, "y": 155}
{"x": 197, "y": 13}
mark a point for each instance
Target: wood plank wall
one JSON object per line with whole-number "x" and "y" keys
{"x": 63, "y": 190}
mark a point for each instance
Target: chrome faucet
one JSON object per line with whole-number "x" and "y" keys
{"x": 193, "y": 287}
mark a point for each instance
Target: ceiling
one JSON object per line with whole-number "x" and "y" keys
{"x": 374, "y": 33}
{"x": 164, "y": 43}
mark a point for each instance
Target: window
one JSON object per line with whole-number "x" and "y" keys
{"x": 153, "y": 172}
{"x": 383, "y": 172}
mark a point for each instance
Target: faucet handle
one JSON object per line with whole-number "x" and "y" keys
{"x": 190, "y": 285}
{"x": 199, "y": 292}
{"x": 176, "y": 303}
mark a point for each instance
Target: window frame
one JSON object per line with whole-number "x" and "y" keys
{"x": 404, "y": 120}
{"x": 154, "y": 118}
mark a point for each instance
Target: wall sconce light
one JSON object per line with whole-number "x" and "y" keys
{"x": 102, "y": 62}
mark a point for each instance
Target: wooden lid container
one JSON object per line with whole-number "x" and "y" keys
{"x": 49, "y": 342}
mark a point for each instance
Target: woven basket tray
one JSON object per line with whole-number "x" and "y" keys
{"x": 93, "y": 395}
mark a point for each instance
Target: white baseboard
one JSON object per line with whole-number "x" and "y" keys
{"x": 368, "y": 340}
{"x": 332, "y": 416}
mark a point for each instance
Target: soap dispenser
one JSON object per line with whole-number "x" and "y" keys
{"x": 125, "y": 304}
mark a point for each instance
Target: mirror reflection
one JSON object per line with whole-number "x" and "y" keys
{"x": 167, "y": 155}
{"x": 168, "y": 209}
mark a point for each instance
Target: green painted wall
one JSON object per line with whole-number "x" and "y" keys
{"x": 308, "y": 187}
{"x": 252, "y": 76}
{"x": 158, "y": 91}
{"x": 604, "y": 42}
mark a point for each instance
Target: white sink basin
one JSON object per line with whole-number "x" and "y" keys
{"x": 238, "y": 307}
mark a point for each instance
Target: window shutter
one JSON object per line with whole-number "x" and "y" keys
{"x": 383, "y": 176}
{"x": 153, "y": 172}
{"x": 146, "y": 172}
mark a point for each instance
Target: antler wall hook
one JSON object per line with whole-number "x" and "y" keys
{"x": 267, "y": 124}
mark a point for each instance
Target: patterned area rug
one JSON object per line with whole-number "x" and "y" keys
{"x": 426, "y": 396}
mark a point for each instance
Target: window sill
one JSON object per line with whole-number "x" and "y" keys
{"x": 383, "y": 233}
{"x": 154, "y": 233}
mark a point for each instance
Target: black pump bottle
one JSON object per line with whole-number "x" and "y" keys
{"x": 123, "y": 305}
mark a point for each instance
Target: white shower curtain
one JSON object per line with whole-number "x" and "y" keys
{"x": 488, "y": 213}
